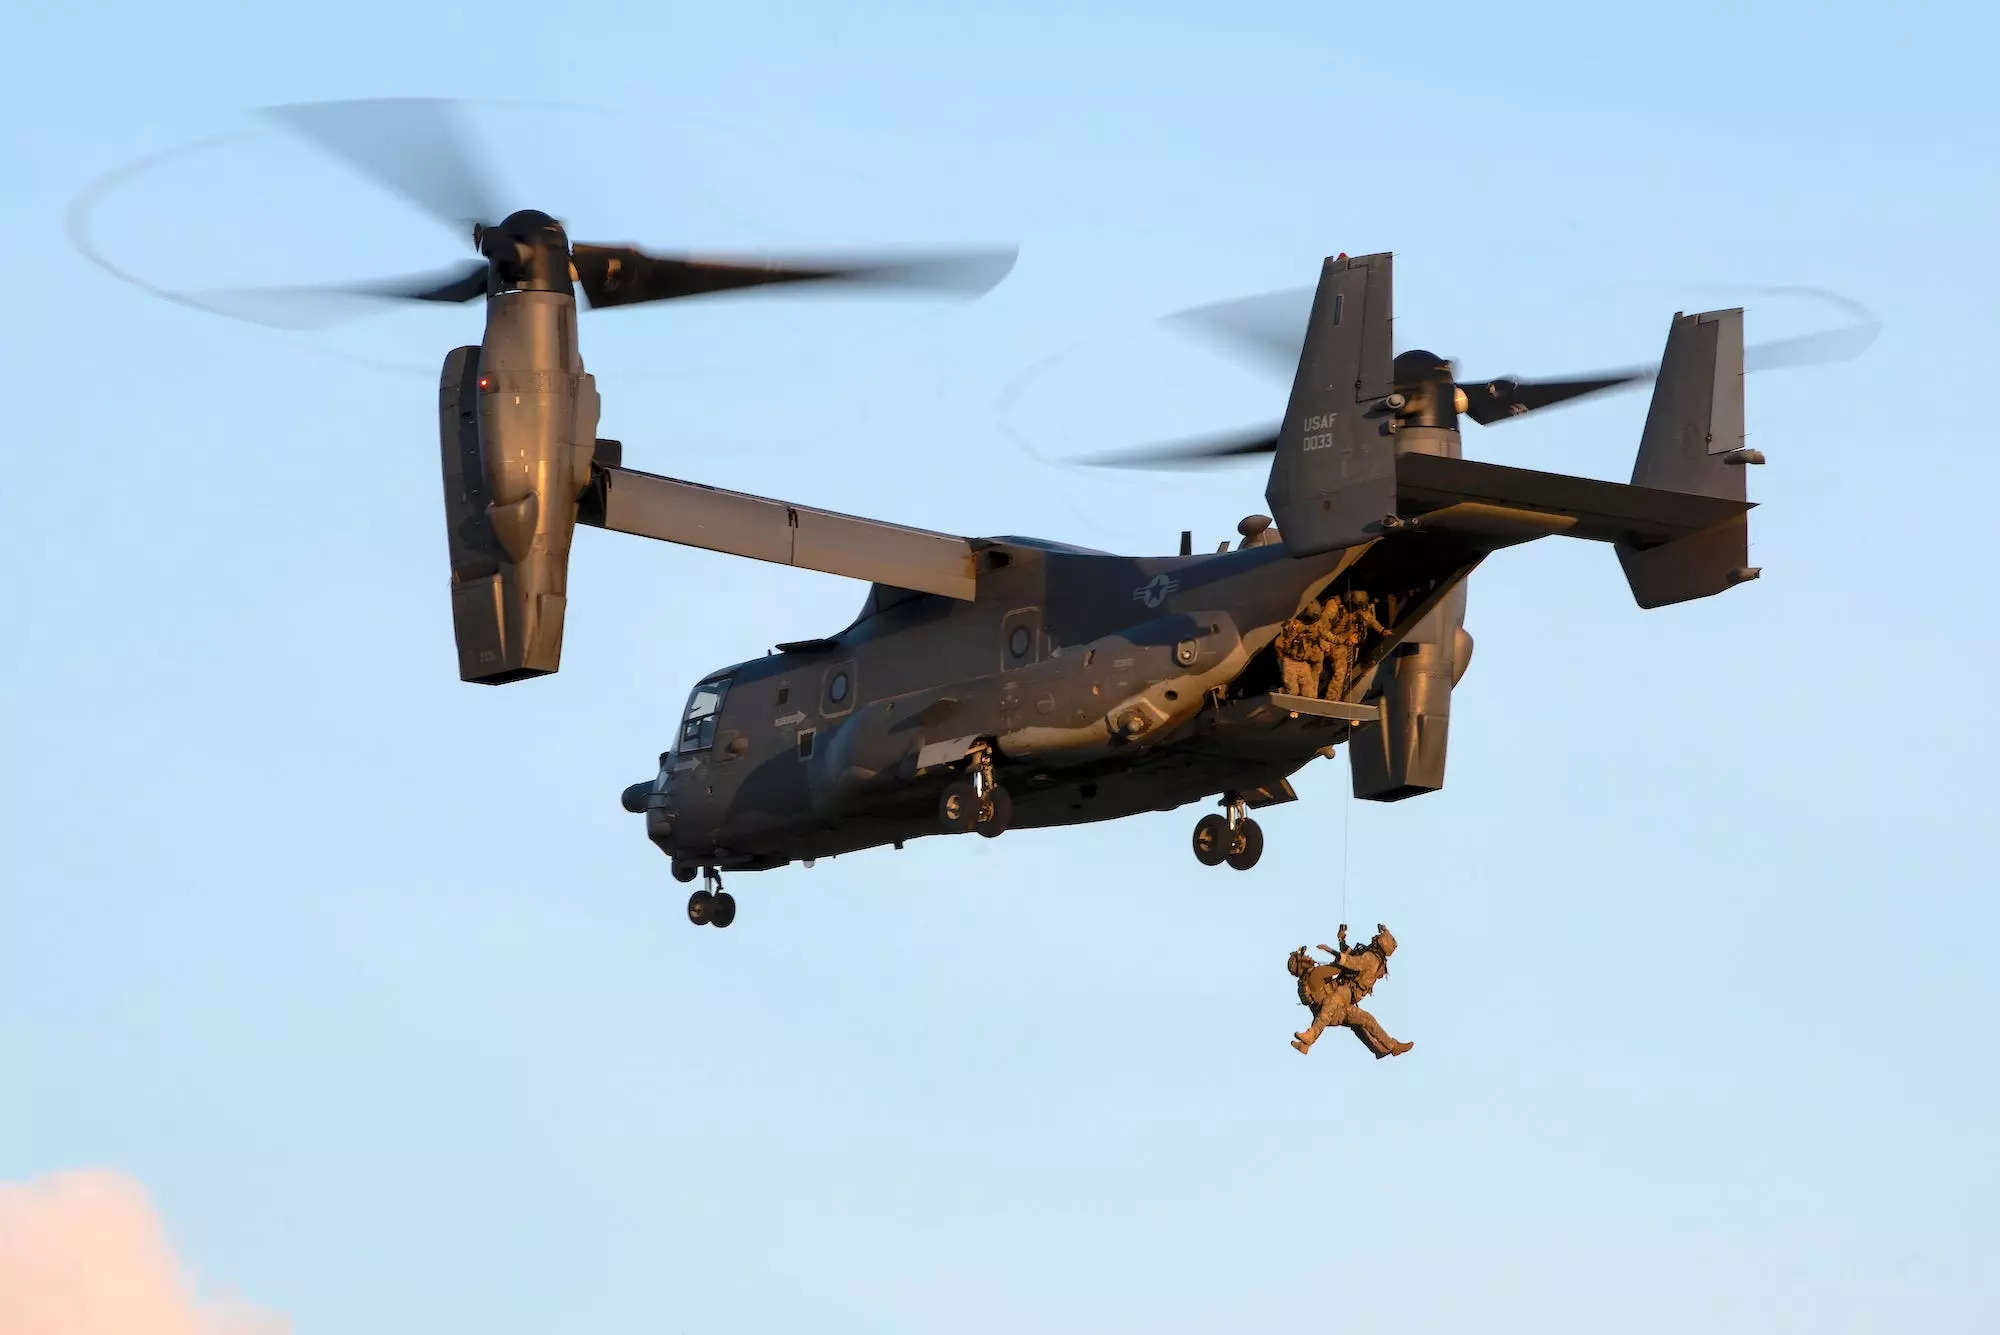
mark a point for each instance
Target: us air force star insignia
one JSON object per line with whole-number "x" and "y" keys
{"x": 1157, "y": 590}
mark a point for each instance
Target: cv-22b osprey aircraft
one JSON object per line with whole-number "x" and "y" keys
{"x": 997, "y": 683}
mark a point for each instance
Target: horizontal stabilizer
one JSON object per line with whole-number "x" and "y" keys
{"x": 693, "y": 515}
{"x": 1517, "y": 504}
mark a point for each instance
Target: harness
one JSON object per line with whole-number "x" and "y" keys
{"x": 1299, "y": 643}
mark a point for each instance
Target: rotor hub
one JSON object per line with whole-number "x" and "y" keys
{"x": 1430, "y": 393}
{"x": 527, "y": 251}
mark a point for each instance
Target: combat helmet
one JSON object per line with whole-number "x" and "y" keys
{"x": 1385, "y": 939}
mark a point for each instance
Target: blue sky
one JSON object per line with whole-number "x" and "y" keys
{"x": 367, "y": 980}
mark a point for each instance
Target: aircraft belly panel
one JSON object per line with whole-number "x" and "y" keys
{"x": 1129, "y": 792}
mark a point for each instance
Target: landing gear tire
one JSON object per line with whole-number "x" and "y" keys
{"x": 994, "y": 813}
{"x": 722, "y": 909}
{"x": 1212, "y": 840}
{"x": 958, "y": 807}
{"x": 1248, "y": 845}
{"x": 684, "y": 873}
{"x": 701, "y": 908}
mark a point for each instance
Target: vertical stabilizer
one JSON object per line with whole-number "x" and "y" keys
{"x": 1693, "y": 443}
{"x": 1334, "y": 475}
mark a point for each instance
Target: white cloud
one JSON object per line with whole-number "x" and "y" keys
{"x": 84, "y": 1254}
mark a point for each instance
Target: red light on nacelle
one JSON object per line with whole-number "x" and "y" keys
{"x": 485, "y": 382}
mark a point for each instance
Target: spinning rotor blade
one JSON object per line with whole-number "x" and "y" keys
{"x": 625, "y": 276}
{"x": 315, "y": 306}
{"x": 1492, "y": 402}
{"x": 1831, "y": 345}
{"x": 412, "y": 146}
{"x": 1498, "y": 400}
{"x": 461, "y": 282}
{"x": 1269, "y": 327}
{"x": 1207, "y": 452}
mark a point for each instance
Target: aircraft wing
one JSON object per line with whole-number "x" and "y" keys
{"x": 627, "y": 501}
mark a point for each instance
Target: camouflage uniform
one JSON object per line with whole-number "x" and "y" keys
{"x": 1333, "y": 992}
{"x": 1302, "y": 644}
{"x": 1346, "y": 622}
{"x": 1316, "y": 981}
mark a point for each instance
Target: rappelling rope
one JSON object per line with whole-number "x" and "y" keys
{"x": 1346, "y": 815}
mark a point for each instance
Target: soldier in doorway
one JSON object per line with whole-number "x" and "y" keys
{"x": 1349, "y": 618}
{"x": 1302, "y": 646}
{"x": 1333, "y": 991}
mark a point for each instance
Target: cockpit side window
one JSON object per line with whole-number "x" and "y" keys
{"x": 698, "y": 725}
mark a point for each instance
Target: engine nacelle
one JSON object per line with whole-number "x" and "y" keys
{"x": 1404, "y": 755}
{"x": 517, "y": 421}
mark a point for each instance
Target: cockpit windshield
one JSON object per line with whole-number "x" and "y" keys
{"x": 698, "y": 726}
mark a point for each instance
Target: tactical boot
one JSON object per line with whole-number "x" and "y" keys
{"x": 1394, "y": 1050}
{"x": 1302, "y": 1043}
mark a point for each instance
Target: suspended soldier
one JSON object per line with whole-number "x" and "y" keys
{"x": 1348, "y": 620}
{"x": 1302, "y": 646}
{"x": 1333, "y": 991}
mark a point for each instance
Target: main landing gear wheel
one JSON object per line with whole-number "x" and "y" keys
{"x": 994, "y": 813}
{"x": 701, "y": 908}
{"x": 958, "y": 807}
{"x": 1248, "y": 845}
{"x": 722, "y": 911}
{"x": 1213, "y": 840}
{"x": 1233, "y": 837}
{"x": 976, "y": 802}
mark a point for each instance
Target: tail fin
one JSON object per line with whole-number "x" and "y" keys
{"x": 1693, "y": 444}
{"x": 1334, "y": 475}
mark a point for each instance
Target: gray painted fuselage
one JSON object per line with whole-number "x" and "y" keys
{"x": 1116, "y": 699}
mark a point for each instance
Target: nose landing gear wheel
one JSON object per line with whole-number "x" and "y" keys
{"x": 1212, "y": 840}
{"x": 994, "y": 813}
{"x": 1247, "y": 846}
{"x": 711, "y": 905}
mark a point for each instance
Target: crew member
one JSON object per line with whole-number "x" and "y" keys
{"x": 1348, "y": 621}
{"x": 1302, "y": 646}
